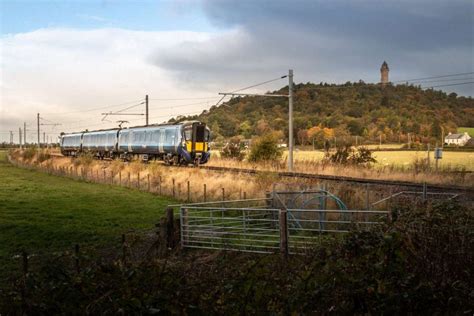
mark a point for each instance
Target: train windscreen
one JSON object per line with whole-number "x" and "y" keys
{"x": 200, "y": 133}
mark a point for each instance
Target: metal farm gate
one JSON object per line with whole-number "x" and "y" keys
{"x": 287, "y": 222}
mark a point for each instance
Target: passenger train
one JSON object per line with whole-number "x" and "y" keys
{"x": 176, "y": 144}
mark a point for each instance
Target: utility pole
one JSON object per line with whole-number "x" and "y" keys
{"x": 146, "y": 109}
{"x": 38, "y": 122}
{"x": 290, "y": 120}
{"x": 24, "y": 133}
{"x": 44, "y": 137}
{"x": 428, "y": 155}
{"x": 290, "y": 111}
{"x": 19, "y": 134}
{"x": 11, "y": 137}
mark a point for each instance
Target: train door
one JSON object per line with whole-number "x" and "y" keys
{"x": 130, "y": 140}
{"x": 162, "y": 140}
{"x": 199, "y": 137}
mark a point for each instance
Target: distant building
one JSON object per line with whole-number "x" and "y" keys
{"x": 457, "y": 139}
{"x": 384, "y": 73}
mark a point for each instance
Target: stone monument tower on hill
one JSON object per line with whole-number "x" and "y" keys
{"x": 384, "y": 73}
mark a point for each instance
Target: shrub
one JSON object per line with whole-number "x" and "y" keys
{"x": 347, "y": 155}
{"x": 86, "y": 159}
{"x": 43, "y": 155}
{"x": 136, "y": 166}
{"x": 234, "y": 149}
{"x": 29, "y": 153}
{"x": 265, "y": 148}
{"x": 116, "y": 166}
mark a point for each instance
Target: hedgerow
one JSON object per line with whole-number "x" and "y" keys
{"x": 419, "y": 263}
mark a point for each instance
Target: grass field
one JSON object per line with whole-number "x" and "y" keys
{"x": 469, "y": 130}
{"x": 403, "y": 158}
{"x": 42, "y": 213}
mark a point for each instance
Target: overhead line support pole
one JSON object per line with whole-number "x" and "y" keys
{"x": 38, "y": 122}
{"x": 290, "y": 120}
{"x": 146, "y": 109}
{"x": 290, "y": 110}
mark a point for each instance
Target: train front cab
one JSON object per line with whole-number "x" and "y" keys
{"x": 196, "y": 141}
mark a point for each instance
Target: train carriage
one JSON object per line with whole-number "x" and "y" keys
{"x": 182, "y": 143}
{"x": 71, "y": 144}
{"x": 101, "y": 143}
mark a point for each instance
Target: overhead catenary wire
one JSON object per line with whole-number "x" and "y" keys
{"x": 95, "y": 108}
{"x": 448, "y": 85}
{"x": 435, "y": 77}
{"x": 252, "y": 86}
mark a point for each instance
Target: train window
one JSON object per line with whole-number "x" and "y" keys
{"x": 188, "y": 134}
{"x": 169, "y": 136}
{"x": 206, "y": 135}
{"x": 200, "y": 130}
{"x": 156, "y": 136}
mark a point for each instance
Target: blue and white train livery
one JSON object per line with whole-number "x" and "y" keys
{"x": 181, "y": 143}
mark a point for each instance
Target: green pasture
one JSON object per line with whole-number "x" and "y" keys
{"x": 452, "y": 159}
{"x": 44, "y": 213}
{"x": 469, "y": 130}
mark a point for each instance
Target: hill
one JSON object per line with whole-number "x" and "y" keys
{"x": 358, "y": 109}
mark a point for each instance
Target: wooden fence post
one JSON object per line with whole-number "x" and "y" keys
{"x": 223, "y": 194}
{"x": 138, "y": 180}
{"x": 148, "y": 184}
{"x": 205, "y": 193}
{"x": 159, "y": 185}
{"x": 245, "y": 195}
{"x": 174, "y": 191}
{"x": 111, "y": 177}
{"x": 129, "y": 184}
{"x": 189, "y": 193}
{"x": 105, "y": 177}
{"x": 120, "y": 178}
{"x": 240, "y": 194}
{"x": 283, "y": 233}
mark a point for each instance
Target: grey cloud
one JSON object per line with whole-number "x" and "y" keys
{"x": 333, "y": 41}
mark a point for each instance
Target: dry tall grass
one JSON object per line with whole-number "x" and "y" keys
{"x": 415, "y": 173}
{"x": 210, "y": 185}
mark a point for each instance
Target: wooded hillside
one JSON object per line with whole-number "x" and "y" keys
{"x": 323, "y": 111}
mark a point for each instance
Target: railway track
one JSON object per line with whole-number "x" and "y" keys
{"x": 284, "y": 174}
{"x": 301, "y": 175}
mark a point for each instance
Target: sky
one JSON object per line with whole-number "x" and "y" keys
{"x": 71, "y": 61}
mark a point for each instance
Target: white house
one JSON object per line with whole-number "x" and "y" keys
{"x": 457, "y": 139}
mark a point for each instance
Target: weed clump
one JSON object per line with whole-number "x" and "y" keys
{"x": 29, "y": 153}
{"x": 43, "y": 155}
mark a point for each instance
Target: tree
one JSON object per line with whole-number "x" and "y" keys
{"x": 302, "y": 136}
